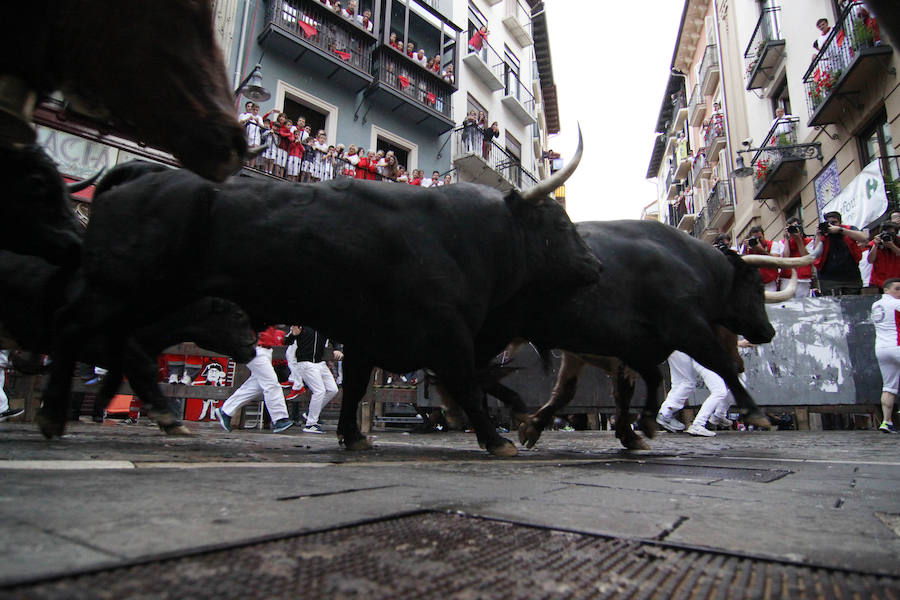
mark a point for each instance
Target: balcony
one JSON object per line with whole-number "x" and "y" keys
{"x": 779, "y": 161}
{"x": 709, "y": 70}
{"x": 487, "y": 65}
{"x": 714, "y": 135}
{"x": 517, "y": 20}
{"x": 720, "y": 205}
{"x": 851, "y": 58}
{"x": 487, "y": 164}
{"x": 682, "y": 158}
{"x": 673, "y": 185}
{"x": 696, "y": 107}
{"x": 701, "y": 229}
{"x": 321, "y": 42}
{"x": 682, "y": 212}
{"x": 402, "y": 84}
{"x": 518, "y": 99}
{"x": 765, "y": 52}
{"x": 679, "y": 111}
{"x": 700, "y": 168}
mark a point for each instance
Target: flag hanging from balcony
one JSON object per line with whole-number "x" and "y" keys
{"x": 308, "y": 30}
{"x": 404, "y": 81}
{"x": 430, "y": 97}
{"x": 342, "y": 54}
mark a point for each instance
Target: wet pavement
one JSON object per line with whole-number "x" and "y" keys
{"x": 111, "y": 494}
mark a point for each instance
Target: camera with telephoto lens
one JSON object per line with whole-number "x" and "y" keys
{"x": 792, "y": 229}
{"x": 824, "y": 227}
{"x": 887, "y": 236}
{"x": 752, "y": 242}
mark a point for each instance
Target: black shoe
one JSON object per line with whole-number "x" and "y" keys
{"x": 281, "y": 425}
{"x": 224, "y": 420}
{"x": 9, "y": 414}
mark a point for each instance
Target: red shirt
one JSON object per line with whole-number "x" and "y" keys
{"x": 855, "y": 250}
{"x": 477, "y": 40}
{"x": 768, "y": 274}
{"x": 802, "y": 272}
{"x": 272, "y": 336}
{"x": 886, "y": 266}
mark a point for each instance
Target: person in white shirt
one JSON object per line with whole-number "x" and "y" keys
{"x": 782, "y": 126}
{"x": 435, "y": 180}
{"x": 253, "y": 124}
{"x": 886, "y": 318}
{"x": 714, "y": 409}
{"x": 365, "y": 19}
{"x": 420, "y": 57}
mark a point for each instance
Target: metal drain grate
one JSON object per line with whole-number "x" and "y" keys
{"x": 436, "y": 555}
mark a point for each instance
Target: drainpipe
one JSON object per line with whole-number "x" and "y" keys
{"x": 240, "y": 57}
{"x": 729, "y": 164}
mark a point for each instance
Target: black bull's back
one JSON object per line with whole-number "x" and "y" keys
{"x": 383, "y": 266}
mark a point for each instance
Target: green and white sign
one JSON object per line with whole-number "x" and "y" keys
{"x": 863, "y": 200}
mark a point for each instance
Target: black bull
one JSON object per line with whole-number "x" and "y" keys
{"x": 661, "y": 291}
{"x": 34, "y": 290}
{"x": 404, "y": 276}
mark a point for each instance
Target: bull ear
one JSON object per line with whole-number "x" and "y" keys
{"x": 85, "y": 183}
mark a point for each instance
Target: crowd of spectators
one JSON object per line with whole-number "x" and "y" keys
{"x": 293, "y": 153}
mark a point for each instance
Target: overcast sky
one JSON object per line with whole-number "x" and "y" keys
{"x": 614, "y": 91}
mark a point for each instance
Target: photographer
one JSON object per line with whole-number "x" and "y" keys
{"x": 837, "y": 255}
{"x": 796, "y": 244}
{"x": 756, "y": 243}
{"x": 884, "y": 255}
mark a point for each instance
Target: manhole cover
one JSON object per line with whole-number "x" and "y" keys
{"x": 436, "y": 555}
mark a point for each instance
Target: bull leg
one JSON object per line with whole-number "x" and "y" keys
{"x": 652, "y": 380}
{"x": 461, "y": 387}
{"x": 140, "y": 369}
{"x": 510, "y": 398}
{"x": 623, "y": 391}
{"x": 51, "y": 418}
{"x": 357, "y": 373}
{"x": 563, "y": 392}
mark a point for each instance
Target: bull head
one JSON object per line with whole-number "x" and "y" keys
{"x": 760, "y": 260}
{"x": 543, "y": 189}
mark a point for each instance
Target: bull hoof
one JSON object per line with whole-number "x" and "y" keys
{"x": 503, "y": 449}
{"x": 757, "y": 419}
{"x": 635, "y": 443}
{"x": 176, "y": 429}
{"x": 647, "y": 425}
{"x": 357, "y": 444}
{"x": 529, "y": 433}
{"x": 50, "y": 426}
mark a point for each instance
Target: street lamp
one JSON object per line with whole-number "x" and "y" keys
{"x": 252, "y": 87}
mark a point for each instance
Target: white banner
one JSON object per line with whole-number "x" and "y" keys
{"x": 75, "y": 156}
{"x": 863, "y": 200}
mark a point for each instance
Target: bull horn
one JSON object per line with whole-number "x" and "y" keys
{"x": 255, "y": 150}
{"x": 84, "y": 183}
{"x": 543, "y": 189}
{"x": 785, "y": 294}
{"x": 762, "y": 260}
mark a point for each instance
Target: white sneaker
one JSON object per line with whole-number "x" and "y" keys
{"x": 669, "y": 424}
{"x": 723, "y": 421}
{"x": 700, "y": 431}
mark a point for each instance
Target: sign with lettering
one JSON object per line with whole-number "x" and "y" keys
{"x": 76, "y": 156}
{"x": 828, "y": 185}
{"x": 863, "y": 200}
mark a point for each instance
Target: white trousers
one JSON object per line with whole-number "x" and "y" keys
{"x": 295, "y": 377}
{"x": 4, "y": 400}
{"x": 262, "y": 380}
{"x": 684, "y": 371}
{"x": 321, "y": 383}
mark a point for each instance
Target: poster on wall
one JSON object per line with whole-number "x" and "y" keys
{"x": 76, "y": 156}
{"x": 864, "y": 200}
{"x": 828, "y": 185}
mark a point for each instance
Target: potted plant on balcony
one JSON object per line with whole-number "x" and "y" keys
{"x": 823, "y": 82}
{"x": 761, "y": 175}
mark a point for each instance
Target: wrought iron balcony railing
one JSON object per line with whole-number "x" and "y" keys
{"x": 780, "y": 143}
{"x": 699, "y": 166}
{"x": 709, "y": 69}
{"x": 311, "y": 22}
{"x": 414, "y": 81}
{"x": 719, "y": 198}
{"x": 765, "y": 50}
{"x": 714, "y": 131}
{"x": 697, "y": 106}
{"x": 514, "y": 88}
{"x": 470, "y": 142}
{"x": 855, "y": 35}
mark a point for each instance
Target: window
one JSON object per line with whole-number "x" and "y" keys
{"x": 477, "y": 20}
{"x": 781, "y": 97}
{"x": 400, "y": 152}
{"x": 511, "y": 73}
{"x": 514, "y": 150}
{"x": 473, "y": 104}
{"x": 794, "y": 209}
{"x": 875, "y": 141}
{"x": 295, "y": 109}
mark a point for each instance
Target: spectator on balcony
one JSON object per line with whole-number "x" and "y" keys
{"x": 402, "y": 177}
{"x": 478, "y": 39}
{"x": 410, "y": 49}
{"x": 372, "y": 166}
{"x": 824, "y": 31}
{"x": 470, "y": 130}
{"x": 350, "y": 11}
{"x": 319, "y": 150}
{"x": 421, "y": 58}
{"x": 447, "y": 75}
{"x": 489, "y": 134}
{"x": 756, "y": 243}
{"x": 871, "y": 25}
{"x": 391, "y": 169}
{"x": 295, "y": 153}
{"x": 884, "y": 255}
{"x": 284, "y": 143}
{"x": 430, "y": 64}
{"x": 435, "y": 180}
{"x": 336, "y": 8}
{"x": 448, "y": 179}
{"x": 838, "y": 253}
{"x": 436, "y": 63}
{"x": 365, "y": 21}
{"x": 416, "y": 177}
{"x": 394, "y": 43}
{"x": 782, "y": 128}
{"x": 271, "y": 141}
{"x": 351, "y": 159}
{"x": 253, "y": 125}
{"x": 796, "y": 244}
{"x": 362, "y": 164}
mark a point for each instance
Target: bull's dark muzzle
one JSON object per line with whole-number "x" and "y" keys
{"x": 763, "y": 335}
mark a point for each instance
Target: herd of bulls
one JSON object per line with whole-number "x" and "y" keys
{"x": 489, "y": 268}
